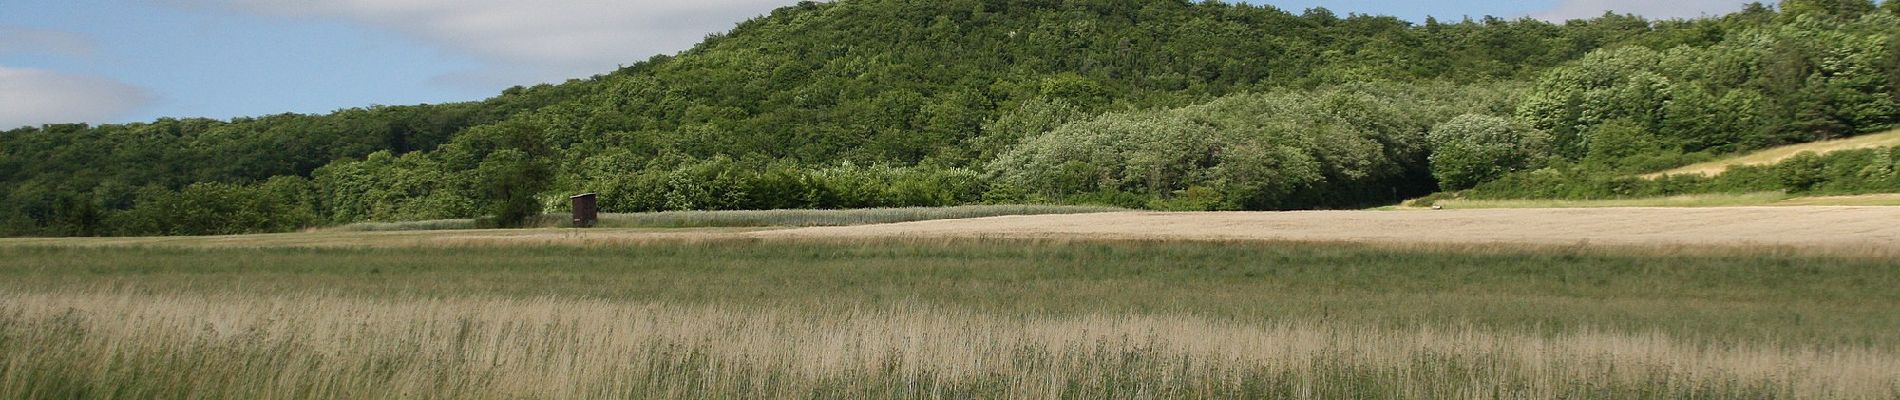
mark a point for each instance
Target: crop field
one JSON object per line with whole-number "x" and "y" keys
{"x": 774, "y": 313}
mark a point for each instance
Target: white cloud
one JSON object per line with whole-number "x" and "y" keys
{"x": 539, "y": 40}
{"x": 30, "y": 97}
{"x": 18, "y": 40}
{"x": 1573, "y": 9}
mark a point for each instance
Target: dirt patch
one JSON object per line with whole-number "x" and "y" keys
{"x": 1805, "y": 227}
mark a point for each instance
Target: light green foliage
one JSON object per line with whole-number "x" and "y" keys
{"x": 1146, "y": 152}
{"x": 1821, "y": 70}
{"x": 1029, "y": 119}
{"x": 1842, "y": 9}
{"x": 1473, "y": 149}
{"x": 1615, "y": 84}
{"x": 1285, "y": 150}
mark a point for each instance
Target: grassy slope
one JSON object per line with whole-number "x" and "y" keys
{"x": 1779, "y": 154}
{"x": 1698, "y": 200}
{"x": 897, "y": 319}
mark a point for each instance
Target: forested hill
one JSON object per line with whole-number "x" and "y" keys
{"x": 857, "y": 103}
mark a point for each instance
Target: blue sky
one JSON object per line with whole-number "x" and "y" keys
{"x": 104, "y": 61}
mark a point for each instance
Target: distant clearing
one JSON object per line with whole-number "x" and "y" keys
{"x": 1779, "y": 154}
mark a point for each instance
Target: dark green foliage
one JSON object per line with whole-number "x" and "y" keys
{"x": 510, "y": 180}
{"x": 280, "y": 204}
{"x": 722, "y": 183}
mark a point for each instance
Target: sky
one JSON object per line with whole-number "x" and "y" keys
{"x": 114, "y": 61}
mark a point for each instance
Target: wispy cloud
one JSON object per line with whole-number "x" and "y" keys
{"x": 540, "y": 40}
{"x": 20, "y": 40}
{"x": 1573, "y": 9}
{"x": 31, "y": 97}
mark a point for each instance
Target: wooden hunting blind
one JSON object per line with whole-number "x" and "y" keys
{"x": 586, "y": 210}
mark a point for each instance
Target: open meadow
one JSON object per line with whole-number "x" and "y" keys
{"x": 751, "y": 313}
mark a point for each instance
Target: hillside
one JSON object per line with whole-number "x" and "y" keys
{"x": 1780, "y": 154}
{"x": 879, "y": 103}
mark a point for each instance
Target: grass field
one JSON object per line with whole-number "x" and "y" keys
{"x": 746, "y": 318}
{"x": 1779, "y": 154}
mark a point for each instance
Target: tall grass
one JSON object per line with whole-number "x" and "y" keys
{"x": 431, "y": 225}
{"x": 145, "y": 346}
{"x": 755, "y": 219}
{"x": 807, "y": 218}
{"x": 942, "y": 319}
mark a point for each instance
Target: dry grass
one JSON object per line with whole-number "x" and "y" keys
{"x": 1695, "y": 200}
{"x": 1779, "y": 154}
{"x": 1761, "y": 199}
{"x": 1883, "y": 200}
{"x": 1836, "y": 230}
{"x": 146, "y": 346}
{"x": 719, "y": 315}
{"x": 1857, "y": 231}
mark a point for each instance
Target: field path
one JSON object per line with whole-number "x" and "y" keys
{"x": 1808, "y": 227}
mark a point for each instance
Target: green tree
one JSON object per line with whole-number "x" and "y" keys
{"x": 511, "y": 183}
{"x": 1473, "y": 149}
{"x": 1842, "y": 9}
{"x": 1612, "y": 144}
{"x": 1132, "y": 152}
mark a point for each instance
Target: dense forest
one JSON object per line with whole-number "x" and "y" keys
{"x": 1171, "y": 105}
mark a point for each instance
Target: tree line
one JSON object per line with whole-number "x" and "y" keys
{"x": 868, "y": 103}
